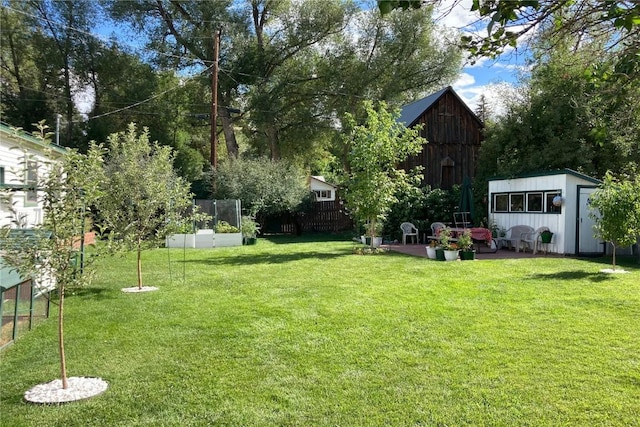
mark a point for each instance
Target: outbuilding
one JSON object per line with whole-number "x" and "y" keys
{"x": 557, "y": 199}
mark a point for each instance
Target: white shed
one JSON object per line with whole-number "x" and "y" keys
{"x": 556, "y": 199}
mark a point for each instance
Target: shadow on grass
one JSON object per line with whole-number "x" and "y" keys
{"x": 283, "y": 239}
{"x": 256, "y": 259}
{"x": 575, "y": 275}
{"x": 97, "y": 294}
{"x": 622, "y": 261}
{"x": 266, "y": 258}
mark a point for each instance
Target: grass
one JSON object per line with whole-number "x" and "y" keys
{"x": 302, "y": 333}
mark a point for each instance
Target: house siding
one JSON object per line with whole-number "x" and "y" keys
{"x": 13, "y": 149}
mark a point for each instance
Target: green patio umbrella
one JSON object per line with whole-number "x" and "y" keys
{"x": 466, "y": 199}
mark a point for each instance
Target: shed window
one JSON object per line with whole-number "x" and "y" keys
{"x": 549, "y": 196}
{"x": 516, "y": 202}
{"x": 322, "y": 194}
{"x": 528, "y": 201}
{"x": 534, "y": 202}
{"x": 501, "y": 203}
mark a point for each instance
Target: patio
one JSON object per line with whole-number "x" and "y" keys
{"x": 419, "y": 250}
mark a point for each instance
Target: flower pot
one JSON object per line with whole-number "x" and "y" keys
{"x": 546, "y": 236}
{"x": 249, "y": 240}
{"x": 440, "y": 254}
{"x": 451, "y": 255}
{"x": 431, "y": 252}
{"x": 469, "y": 255}
{"x": 377, "y": 241}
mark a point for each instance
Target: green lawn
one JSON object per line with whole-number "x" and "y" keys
{"x": 288, "y": 333}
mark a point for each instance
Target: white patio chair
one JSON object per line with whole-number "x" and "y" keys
{"x": 514, "y": 236}
{"x": 408, "y": 230}
{"x": 435, "y": 227}
{"x": 531, "y": 240}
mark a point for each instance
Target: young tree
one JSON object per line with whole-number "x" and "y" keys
{"x": 144, "y": 199}
{"x": 376, "y": 147}
{"x": 616, "y": 210}
{"x": 48, "y": 253}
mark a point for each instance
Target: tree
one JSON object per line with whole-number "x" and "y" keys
{"x": 376, "y": 146}
{"x": 263, "y": 186}
{"x": 144, "y": 199}
{"x": 616, "y": 210}
{"x": 511, "y": 20}
{"x": 558, "y": 112}
{"x": 49, "y": 252}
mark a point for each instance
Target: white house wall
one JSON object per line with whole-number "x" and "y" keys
{"x": 317, "y": 185}
{"x": 12, "y": 156}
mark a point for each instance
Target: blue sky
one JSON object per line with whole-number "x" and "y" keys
{"x": 489, "y": 77}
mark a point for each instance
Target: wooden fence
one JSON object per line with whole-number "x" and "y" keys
{"x": 323, "y": 217}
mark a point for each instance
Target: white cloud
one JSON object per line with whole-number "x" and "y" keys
{"x": 464, "y": 79}
{"x": 496, "y": 94}
{"x": 456, "y": 14}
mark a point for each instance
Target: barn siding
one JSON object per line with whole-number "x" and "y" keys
{"x": 452, "y": 131}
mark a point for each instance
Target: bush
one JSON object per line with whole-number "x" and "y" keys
{"x": 225, "y": 227}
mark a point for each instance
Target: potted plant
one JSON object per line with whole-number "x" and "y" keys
{"x": 450, "y": 248}
{"x": 250, "y": 229}
{"x": 373, "y": 232}
{"x": 465, "y": 242}
{"x": 546, "y": 236}
{"x": 431, "y": 249}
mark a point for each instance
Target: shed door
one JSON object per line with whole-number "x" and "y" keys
{"x": 587, "y": 244}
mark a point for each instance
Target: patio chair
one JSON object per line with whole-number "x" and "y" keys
{"x": 408, "y": 230}
{"x": 513, "y": 239}
{"x": 435, "y": 230}
{"x": 531, "y": 240}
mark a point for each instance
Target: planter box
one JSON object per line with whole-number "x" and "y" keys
{"x": 204, "y": 239}
{"x": 227, "y": 239}
{"x": 181, "y": 241}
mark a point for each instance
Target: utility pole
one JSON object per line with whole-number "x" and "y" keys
{"x": 214, "y": 100}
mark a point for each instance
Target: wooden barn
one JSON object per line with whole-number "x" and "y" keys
{"x": 454, "y": 135}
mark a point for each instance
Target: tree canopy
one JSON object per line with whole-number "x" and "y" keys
{"x": 376, "y": 146}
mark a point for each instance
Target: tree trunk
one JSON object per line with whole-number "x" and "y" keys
{"x": 63, "y": 361}
{"x": 229, "y": 133}
{"x": 139, "y": 267}
{"x": 614, "y": 255}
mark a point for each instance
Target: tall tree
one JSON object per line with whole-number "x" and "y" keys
{"x": 615, "y": 207}
{"x": 181, "y": 35}
{"x": 510, "y": 20}
{"x": 48, "y": 253}
{"x": 377, "y": 145}
{"x": 564, "y": 111}
{"x": 144, "y": 199}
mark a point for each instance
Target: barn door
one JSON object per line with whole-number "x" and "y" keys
{"x": 587, "y": 244}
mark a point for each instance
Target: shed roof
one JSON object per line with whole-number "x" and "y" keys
{"x": 410, "y": 113}
{"x": 565, "y": 171}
